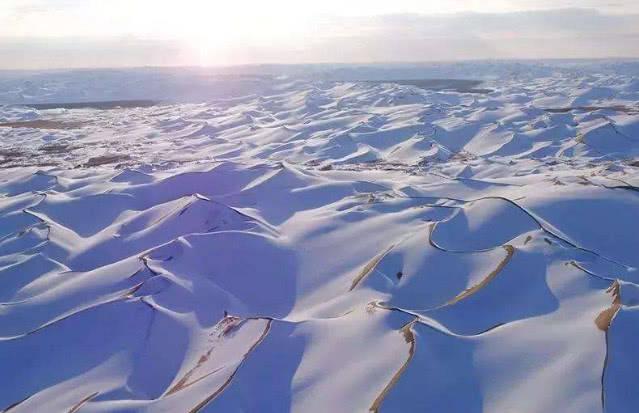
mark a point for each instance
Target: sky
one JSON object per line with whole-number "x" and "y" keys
{"x": 37, "y": 34}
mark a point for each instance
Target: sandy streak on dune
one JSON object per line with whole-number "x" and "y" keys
{"x": 510, "y": 251}
{"x": 604, "y": 318}
{"x": 409, "y": 336}
{"x": 368, "y": 268}
{"x": 418, "y": 318}
{"x": 226, "y": 324}
{"x": 223, "y": 387}
{"x": 82, "y": 402}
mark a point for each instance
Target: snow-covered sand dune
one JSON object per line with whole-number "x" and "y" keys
{"x": 315, "y": 244}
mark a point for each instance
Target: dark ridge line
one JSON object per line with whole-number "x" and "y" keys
{"x": 130, "y": 293}
{"x": 145, "y": 261}
{"x": 16, "y": 404}
{"x": 396, "y": 195}
{"x": 190, "y": 201}
{"x": 247, "y": 217}
{"x": 436, "y": 84}
{"x": 370, "y": 267}
{"x": 12, "y": 303}
{"x": 617, "y": 305}
{"x": 425, "y": 322}
{"x": 180, "y": 210}
{"x": 201, "y": 197}
{"x": 468, "y": 292}
{"x": 22, "y": 232}
{"x": 409, "y": 337}
{"x": 613, "y": 124}
{"x": 36, "y": 249}
{"x": 281, "y": 320}
{"x": 124, "y": 297}
{"x": 48, "y": 175}
{"x": 616, "y": 108}
{"x": 421, "y": 321}
{"x": 510, "y": 251}
{"x": 44, "y": 196}
{"x": 138, "y": 272}
{"x": 269, "y": 320}
{"x": 592, "y": 274}
{"x": 39, "y": 218}
{"x": 538, "y": 222}
{"x": 77, "y": 407}
{"x": 625, "y": 185}
{"x": 461, "y": 178}
{"x": 431, "y": 229}
{"x": 153, "y": 315}
{"x": 225, "y": 385}
{"x": 176, "y": 389}
{"x": 70, "y": 272}
{"x": 82, "y": 402}
{"x": 603, "y": 374}
{"x": 48, "y": 224}
{"x": 605, "y": 365}
{"x": 580, "y": 140}
{"x": 184, "y": 383}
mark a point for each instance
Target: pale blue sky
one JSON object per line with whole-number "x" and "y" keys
{"x": 89, "y": 33}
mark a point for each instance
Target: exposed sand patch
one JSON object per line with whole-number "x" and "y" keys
{"x": 210, "y": 398}
{"x": 82, "y": 402}
{"x": 368, "y": 268}
{"x": 72, "y": 237}
{"x": 604, "y": 319}
{"x": 409, "y": 337}
{"x": 225, "y": 326}
{"x": 510, "y": 251}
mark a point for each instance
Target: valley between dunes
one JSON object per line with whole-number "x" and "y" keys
{"x": 321, "y": 244}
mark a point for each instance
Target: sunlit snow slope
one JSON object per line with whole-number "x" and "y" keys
{"x": 275, "y": 243}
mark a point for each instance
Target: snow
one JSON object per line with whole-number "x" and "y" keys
{"x": 321, "y": 238}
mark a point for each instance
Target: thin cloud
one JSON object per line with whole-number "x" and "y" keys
{"x": 558, "y": 33}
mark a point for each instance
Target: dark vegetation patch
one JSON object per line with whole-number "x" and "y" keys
{"x": 105, "y": 160}
{"x": 456, "y": 85}
{"x": 43, "y": 124}
{"x": 107, "y": 104}
{"x": 615, "y": 108}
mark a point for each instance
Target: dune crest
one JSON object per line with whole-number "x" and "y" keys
{"x": 465, "y": 243}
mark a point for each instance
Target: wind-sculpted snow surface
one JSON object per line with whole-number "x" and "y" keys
{"x": 323, "y": 246}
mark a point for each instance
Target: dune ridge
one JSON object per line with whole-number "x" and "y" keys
{"x": 319, "y": 244}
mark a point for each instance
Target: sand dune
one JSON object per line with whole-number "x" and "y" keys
{"x": 320, "y": 244}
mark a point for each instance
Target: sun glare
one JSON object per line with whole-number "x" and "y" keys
{"x": 212, "y": 30}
